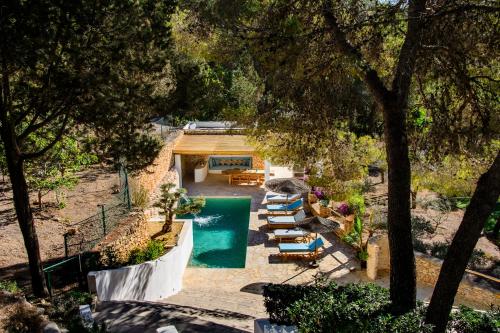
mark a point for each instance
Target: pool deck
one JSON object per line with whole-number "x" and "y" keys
{"x": 228, "y": 300}
{"x": 238, "y": 290}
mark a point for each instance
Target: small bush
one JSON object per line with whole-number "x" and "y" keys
{"x": 153, "y": 250}
{"x": 24, "y": 319}
{"x": 277, "y": 298}
{"x": 140, "y": 197}
{"x": 466, "y": 320}
{"x": 356, "y": 202}
{"x": 10, "y": 286}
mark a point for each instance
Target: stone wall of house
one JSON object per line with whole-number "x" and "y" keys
{"x": 189, "y": 162}
{"x": 257, "y": 162}
{"x": 130, "y": 233}
{"x": 427, "y": 272}
{"x": 161, "y": 170}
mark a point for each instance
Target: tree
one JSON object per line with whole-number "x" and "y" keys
{"x": 407, "y": 54}
{"x": 56, "y": 169}
{"x": 64, "y": 65}
{"x": 168, "y": 201}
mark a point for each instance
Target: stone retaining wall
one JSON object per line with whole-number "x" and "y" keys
{"x": 130, "y": 233}
{"x": 162, "y": 168}
{"x": 427, "y": 273}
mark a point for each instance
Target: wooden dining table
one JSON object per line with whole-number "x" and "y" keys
{"x": 238, "y": 176}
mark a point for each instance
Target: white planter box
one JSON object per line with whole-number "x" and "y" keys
{"x": 149, "y": 281}
{"x": 200, "y": 173}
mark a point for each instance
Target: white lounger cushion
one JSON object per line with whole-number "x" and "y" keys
{"x": 290, "y": 233}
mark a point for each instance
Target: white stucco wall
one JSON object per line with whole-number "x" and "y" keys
{"x": 149, "y": 281}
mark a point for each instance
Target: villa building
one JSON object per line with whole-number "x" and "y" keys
{"x": 210, "y": 147}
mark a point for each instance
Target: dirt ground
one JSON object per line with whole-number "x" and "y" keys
{"x": 447, "y": 222}
{"x": 95, "y": 187}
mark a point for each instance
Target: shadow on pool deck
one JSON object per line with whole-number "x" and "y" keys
{"x": 217, "y": 186}
{"x": 146, "y": 317}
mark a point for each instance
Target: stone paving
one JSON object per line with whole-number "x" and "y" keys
{"x": 238, "y": 290}
{"x": 228, "y": 300}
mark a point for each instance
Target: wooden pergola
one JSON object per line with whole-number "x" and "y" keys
{"x": 213, "y": 145}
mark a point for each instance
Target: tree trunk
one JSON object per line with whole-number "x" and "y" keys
{"x": 402, "y": 276}
{"x": 25, "y": 216}
{"x": 40, "y": 200}
{"x": 413, "y": 199}
{"x": 481, "y": 206}
{"x": 167, "y": 227}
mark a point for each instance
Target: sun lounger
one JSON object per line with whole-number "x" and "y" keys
{"x": 290, "y": 235}
{"x": 284, "y": 209}
{"x": 272, "y": 197}
{"x": 307, "y": 250}
{"x": 287, "y": 221}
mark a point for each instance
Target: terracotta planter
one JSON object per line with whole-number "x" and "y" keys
{"x": 324, "y": 211}
{"x": 311, "y": 197}
{"x": 348, "y": 223}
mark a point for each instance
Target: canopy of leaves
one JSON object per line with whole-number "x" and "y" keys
{"x": 88, "y": 65}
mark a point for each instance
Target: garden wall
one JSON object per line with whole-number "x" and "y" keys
{"x": 161, "y": 170}
{"x": 149, "y": 281}
{"x": 130, "y": 233}
{"x": 427, "y": 273}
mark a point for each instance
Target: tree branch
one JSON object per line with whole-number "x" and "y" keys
{"x": 370, "y": 76}
{"x": 42, "y": 151}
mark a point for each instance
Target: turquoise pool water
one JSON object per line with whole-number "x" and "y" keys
{"x": 220, "y": 233}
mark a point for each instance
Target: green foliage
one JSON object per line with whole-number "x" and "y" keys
{"x": 492, "y": 219}
{"x": 466, "y": 320}
{"x": 153, "y": 250}
{"x": 359, "y": 308}
{"x": 65, "y": 312}
{"x": 140, "y": 197}
{"x": 10, "y": 286}
{"x": 356, "y": 203}
{"x": 169, "y": 199}
{"x": 56, "y": 169}
{"x": 333, "y": 308}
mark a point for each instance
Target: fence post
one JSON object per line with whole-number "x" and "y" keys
{"x": 127, "y": 190}
{"x": 103, "y": 218}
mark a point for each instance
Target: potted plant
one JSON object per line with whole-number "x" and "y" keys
{"x": 355, "y": 238}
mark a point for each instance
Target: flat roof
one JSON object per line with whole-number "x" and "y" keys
{"x": 213, "y": 145}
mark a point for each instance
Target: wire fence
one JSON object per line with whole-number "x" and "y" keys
{"x": 86, "y": 234}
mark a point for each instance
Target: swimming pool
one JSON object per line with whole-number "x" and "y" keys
{"x": 220, "y": 233}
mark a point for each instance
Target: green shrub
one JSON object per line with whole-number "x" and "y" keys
{"x": 66, "y": 313}
{"x": 350, "y": 308}
{"x": 10, "y": 286}
{"x": 277, "y": 298}
{"x": 140, "y": 197}
{"x": 360, "y": 308}
{"x": 153, "y": 250}
{"x": 466, "y": 320}
{"x": 356, "y": 203}
{"x": 24, "y": 319}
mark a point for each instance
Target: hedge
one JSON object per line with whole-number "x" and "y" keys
{"x": 359, "y": 308}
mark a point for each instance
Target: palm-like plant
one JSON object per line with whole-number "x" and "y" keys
{"x": 169, "y": 199}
